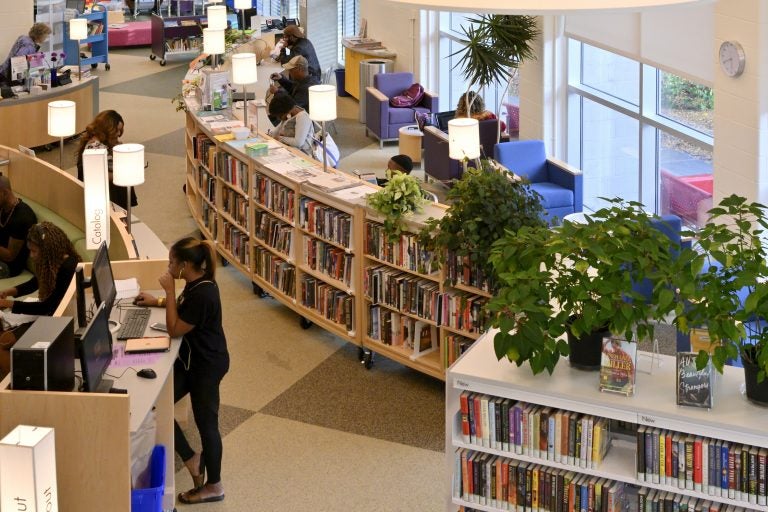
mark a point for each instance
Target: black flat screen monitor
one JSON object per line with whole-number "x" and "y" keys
{"x": 96, "y": 353}
{"x": 102, "y": 280}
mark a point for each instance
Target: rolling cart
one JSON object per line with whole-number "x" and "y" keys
{"x": 98, "y": 40}
{"x": 180, "y": 36}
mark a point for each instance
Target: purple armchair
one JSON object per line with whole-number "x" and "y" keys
{"x": 383, "y": 120}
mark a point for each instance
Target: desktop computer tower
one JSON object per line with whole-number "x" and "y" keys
{"x": 43, "y": 358}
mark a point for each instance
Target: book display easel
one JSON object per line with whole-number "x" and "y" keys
{"x": 518, "y": 441}
{"x": 314, "y": 246}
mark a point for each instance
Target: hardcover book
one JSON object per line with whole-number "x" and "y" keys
{"x": 618, "y": 366}
{"x": 694, "y": 387}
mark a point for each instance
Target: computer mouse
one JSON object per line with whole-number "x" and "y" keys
{"x": 147, "y": 373}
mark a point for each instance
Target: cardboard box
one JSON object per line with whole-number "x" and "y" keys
{"x": 115, "y": 17}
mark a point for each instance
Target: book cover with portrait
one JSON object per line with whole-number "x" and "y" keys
{"x": 618, "y": 366}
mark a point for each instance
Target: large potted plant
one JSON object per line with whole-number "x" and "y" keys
{"x": 580, "y": 278}
{"x": 401, "y": 196}
{"x": 484, "y": 204}
{"x": 728, "y": 294}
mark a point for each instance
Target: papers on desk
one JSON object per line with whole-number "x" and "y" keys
{"x": 217, "y": 125}
{"x": 10, "y": 320}
{"x": 127, "y": 288}
{"x": 355, "y": 194}
{"x": 331, "y": 182}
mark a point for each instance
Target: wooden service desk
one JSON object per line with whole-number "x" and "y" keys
{"x": 93, "y": 430}
{"x": 25, "y": 120}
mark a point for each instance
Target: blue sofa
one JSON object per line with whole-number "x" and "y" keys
{"x": 559, "y": 184}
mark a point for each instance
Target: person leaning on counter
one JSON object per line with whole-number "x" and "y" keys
{"x": 25, "y": 45}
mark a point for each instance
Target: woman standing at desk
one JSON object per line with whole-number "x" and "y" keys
{"x": 25, "y": 45}
{"x": 203, "y": 358}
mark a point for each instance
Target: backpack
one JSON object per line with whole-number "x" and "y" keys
{"x": 333, "y": 152}
{"x": 409, "y": 98}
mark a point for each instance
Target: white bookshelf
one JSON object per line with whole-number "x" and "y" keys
{"x": 654, "y": 404}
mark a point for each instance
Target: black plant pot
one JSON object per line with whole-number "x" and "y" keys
{"x": 756, "y": 392}
{"x": 585, "y": 351}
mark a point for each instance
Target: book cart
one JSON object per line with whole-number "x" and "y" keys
{"x": 97, "y": 40}
{"x": 324, "y": 255}
{"x": 546, "y": 454}
{"x": 177, "y": 36}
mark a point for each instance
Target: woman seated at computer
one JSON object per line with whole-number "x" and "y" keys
{"x": 55, "y": 260}
{"x": 104, "y": 132}
{"x": 25, "y": 45}
{"x": 295, "y": 128}
{"x": 476, "y": 108}
{"x": 203, "y": 358}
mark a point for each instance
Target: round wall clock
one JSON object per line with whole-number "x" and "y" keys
{"x": 732, "y": 58}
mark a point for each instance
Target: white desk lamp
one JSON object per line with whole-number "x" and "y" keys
{"x": 78, "y": 30}
{"x": 464, "y": 139}
{"x": 62, "y": 117}
{"x": 213, "y": 43}
{"x": 244, "y": 73}
{"x": 242, "y": 5}
{"x": 128, "y": 171}
{"x": 29, "y": 479}
{"x": 322, "y": 107}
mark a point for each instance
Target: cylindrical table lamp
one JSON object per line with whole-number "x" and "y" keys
{"x": 217, "y": 17}
{"x": 322, "y": 107}
{"x": 242, "y": 5}
{"x": 244, "y": 73}
{"x": 213, "y": 43}
{"x": 62, "y": 117}
{"x": 78, "y": 30}
{"x": 464, "y": 139}
{"x": 128, "y": 171}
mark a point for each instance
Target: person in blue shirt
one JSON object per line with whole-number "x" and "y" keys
{"x": 25, "y": 45}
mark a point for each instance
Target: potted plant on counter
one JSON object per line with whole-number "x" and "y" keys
{"x": 581, "y": 279}
{"x": 728, "y": 294}
{"x": 401, "y": 196}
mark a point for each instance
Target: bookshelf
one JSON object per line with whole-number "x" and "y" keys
{"x": 733, "y": 422}
{"x": 97, "y": 40}
{"x": 177, "y": 36}
{"x": 316, "y": 251}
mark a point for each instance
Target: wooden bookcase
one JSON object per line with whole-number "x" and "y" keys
{"x": 312, "y": 251}
{"x": 732, "y": 421}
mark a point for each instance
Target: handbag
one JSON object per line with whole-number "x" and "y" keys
{"x": 332, "y": 152}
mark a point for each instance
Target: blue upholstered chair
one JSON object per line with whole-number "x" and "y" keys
{"x": 383, "y": 120}
{"x": 559, "y": 184}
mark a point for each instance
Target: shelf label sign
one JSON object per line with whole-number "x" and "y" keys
{"x": 96, "y": 184}
{"x": 646, "y": 420}
{"x": 458, "y": 383}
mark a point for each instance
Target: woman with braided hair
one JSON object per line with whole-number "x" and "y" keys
{"x": 55, "y": 261}
{"x": 203, "y": 358}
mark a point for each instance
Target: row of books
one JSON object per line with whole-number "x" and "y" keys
{"x": 236, "y": 242}
{"x": 711, "y": 466}
{"x": 207, "y": 184}
{"x": 459, "y": 270}
{"x": 273, "y": 196}
{"x": 325, "y": 221}
{"x": 273, "y": 232}
{"x": 236, "y": 206}
{"x": 402, "y": 291}
{"x": 455, "y": 345}
{"x": 210, "y": 218}
{"x": 276, "y": 271}
{"x": 392, "y": 328}
{"x": 328, "y": 259}
{"x": 534, "y": 430}
{"x": 655, "y": 500}
{"x": 232, "y": 171}
{"x": 463, "y": 312}
{"x": 331, "y": 303}
{"x": 204, "y": 149}
{"x": 508, "y": 484}
{"x": 183, "y": 44}
{"x": 406, "y": 252}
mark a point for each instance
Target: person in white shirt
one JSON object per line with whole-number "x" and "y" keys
{"x": 295, "y": 128}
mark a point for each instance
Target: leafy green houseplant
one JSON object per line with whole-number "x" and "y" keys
{"x": 580, "y": 277}
{"x": 726, "y": 288}
{"x": 399, "y": 197}
{"x": 484, "y": 204}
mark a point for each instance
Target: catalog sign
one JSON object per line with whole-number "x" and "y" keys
{"x": 96, "y": 180}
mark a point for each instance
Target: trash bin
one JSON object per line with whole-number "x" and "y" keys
{"x": 340, "y": 82}
{"x": 150, "y": 499}
{"x": 368, "y": 69}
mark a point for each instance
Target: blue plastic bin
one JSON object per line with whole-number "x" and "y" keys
{"x": 151, "y": 498}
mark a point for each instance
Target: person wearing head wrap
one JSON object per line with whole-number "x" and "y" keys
{"x": 296, "y": 43}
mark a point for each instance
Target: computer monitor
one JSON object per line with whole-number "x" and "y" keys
{"x": 96, "y": 353}
{"x": 102, "y": 279}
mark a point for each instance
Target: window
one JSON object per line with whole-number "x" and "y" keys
{"x": 639, "y": 133}
{"x": 348, "y": 23}
{"x": 450, "y": 78}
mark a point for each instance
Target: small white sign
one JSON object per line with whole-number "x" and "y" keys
{"x": 96, "y": 180}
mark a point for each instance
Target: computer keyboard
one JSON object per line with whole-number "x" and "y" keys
{"x": 134, "y": 323}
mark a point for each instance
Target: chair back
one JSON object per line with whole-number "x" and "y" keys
{"x": 526, "y": 158}
{"x": 392, "y": 84}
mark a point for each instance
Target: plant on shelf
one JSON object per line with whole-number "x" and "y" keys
{"x": 580, "y": 278}
{"x": 484, "y": 204}
{"x": 401, "y": 196}
{"x": 727, "y": 293}
{"x": 189, "y": 87}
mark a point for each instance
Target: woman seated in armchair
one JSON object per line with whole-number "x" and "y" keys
{"x": 476, "y": 108}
